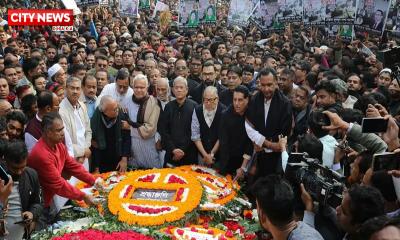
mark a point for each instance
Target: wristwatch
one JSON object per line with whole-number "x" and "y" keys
{"x": 244, "y": 169}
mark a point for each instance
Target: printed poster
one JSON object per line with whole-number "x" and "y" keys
{"x": 342, "y": 12}
{"x": 144, "y": 4}
{"x": 240, "y": 11}
{"x": 128, "y": 8}
{"x": 207, "y": 12}
{"x": 290, "y": 11}
{"x": 189, "y": 13}
{"x": 372, "y": 15}
{"x": 265, "y": 16}
{"x": 314, "y": 12}
{"x": 81, "y": 3}
{"x": 393, "y": 20}
{"x": 344, "y": 31}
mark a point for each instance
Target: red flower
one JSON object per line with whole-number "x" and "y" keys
{"x": 180, "y": 232}
{"x": 229, "y": 234}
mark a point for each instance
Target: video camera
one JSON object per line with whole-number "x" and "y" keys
{"x": 323, "y": 184}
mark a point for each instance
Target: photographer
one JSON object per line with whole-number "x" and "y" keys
{"x": 275, "y": 206}
{"x": 359, "y": 204}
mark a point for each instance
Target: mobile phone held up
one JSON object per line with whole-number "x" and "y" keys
{"x": 4, "y": 175}
{"x": 386, "y": 161}
{"x": 374, "y": 125}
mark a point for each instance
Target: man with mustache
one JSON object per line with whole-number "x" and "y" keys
{"x": 76, "y": 120}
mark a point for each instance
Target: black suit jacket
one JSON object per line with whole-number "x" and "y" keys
{"x": 279, "y": 122}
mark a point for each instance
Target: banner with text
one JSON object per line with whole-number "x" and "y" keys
{"x": 314, "y": 12}
{"x": 372, "y": 15}
{"x": 189, "y": 13}
{"x": 207, "y": 12}
{"x": 341, "y": 12}
{"x": 240, "y": 11}
{"x": 128, "y": 8}
{"x": 290, "y": 10}
{"x": 265, "y": 16}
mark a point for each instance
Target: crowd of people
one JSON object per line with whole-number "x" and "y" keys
{"x": 119, "y": 94}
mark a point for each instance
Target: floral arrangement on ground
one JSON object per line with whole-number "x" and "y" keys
{"x": 146, "y": 201}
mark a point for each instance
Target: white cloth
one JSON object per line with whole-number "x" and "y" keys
{"x": 328, "y": 154}
{"x": 111, "y": 90}
{"x": 80, "y": 127}
{"x": 144, "y": 152}
{"x": 255, "y": 136}
{"x": 209, "y": 116}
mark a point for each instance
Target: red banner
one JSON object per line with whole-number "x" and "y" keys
{"x": 48, "y": 17}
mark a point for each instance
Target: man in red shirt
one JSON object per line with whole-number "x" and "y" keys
{"x": 51, "y": 160}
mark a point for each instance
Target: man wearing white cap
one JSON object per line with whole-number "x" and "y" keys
{"x": 57, "y": 74}
{"x": 385, "y": 78}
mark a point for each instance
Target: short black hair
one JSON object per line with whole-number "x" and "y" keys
{"x": 248, "y": 68}
{"x": 45, "y": 99}
{"x": 16, "y": 152}
{"x": 235, "y": 69}
{"x": 275, "y": 197}
{"x": 325, "y": 85}
{"x": 376, "y": 224}
{"x": 266, "y": 72}
{"x": 365, "y": 202}
{"x": 315, "y": 124}
{"x": 304, "y": 65}
{"x": 208, "y": 64}
{"x": 288, "y": 72}
{"x": 76, "y": 68}
{"x": 30, "y": 63}
{"x": 242, "y": 89}
{"x": 27, "y": 101}
{"x": 48, "y": 120}
{"x": 16, "y": 116}
{"x": 122, "y": 74}
{"x": 312, "y": 146}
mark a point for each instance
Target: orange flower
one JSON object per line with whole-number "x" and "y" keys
{"x": 151, "y": 212}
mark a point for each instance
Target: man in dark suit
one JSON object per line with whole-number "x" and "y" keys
{"x": 378, "y": 20}
{"x": 208, "y": 77}
{"x": 205, "y": 126}
{"x": 269, "y": 116}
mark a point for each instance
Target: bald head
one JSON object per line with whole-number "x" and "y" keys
{"x": 5, "y": 107}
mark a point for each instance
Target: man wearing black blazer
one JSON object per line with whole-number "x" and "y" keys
{"x": 269, "y": 116}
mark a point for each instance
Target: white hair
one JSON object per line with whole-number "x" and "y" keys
{"x": 211, "y": 89}
{"x": 140, "y": 77}
{"x": 163, "y": 81}
{"x": 181, "y": 80}
{"x": 106, "y": 99}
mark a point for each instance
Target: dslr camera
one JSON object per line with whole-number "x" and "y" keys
{"x": 323, "y": 184}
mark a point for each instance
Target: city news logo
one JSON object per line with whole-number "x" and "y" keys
{"x": 59, "y": 19}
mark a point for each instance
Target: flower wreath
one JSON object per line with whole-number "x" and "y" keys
{"x": 154, "y": 197}
{"x": 97, "y": 234}
{"x": 110, "y": 179}
{"x": 199, "y": 232}
{"x": 220, "y": 190}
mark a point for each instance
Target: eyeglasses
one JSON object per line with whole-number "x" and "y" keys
{"x": 180, "y": 68}
{"x": 210, "y": 100}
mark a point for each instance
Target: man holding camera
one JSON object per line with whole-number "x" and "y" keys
{"x": 275, "y": 207}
